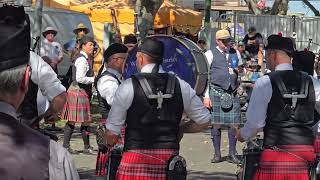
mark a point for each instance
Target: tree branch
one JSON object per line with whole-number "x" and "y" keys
{"x": 313, "y": 9}
{"x": 253, "y": 7}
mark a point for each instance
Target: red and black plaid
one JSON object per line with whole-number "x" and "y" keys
{"x": 144, "y": 164}
{"x": 102, "y": 158}
{"x": 77, "y": 107}
{"x": 317, "y": 144}
{"x": 279, "y": 165}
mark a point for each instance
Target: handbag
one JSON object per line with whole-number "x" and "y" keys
{"x": 226, "y": 101}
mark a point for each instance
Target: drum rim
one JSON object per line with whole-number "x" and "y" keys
{"x": 197, "y": 72}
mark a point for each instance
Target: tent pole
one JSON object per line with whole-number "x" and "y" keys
{"x": 207, "y": 24}
{"x": 38, "y": 22}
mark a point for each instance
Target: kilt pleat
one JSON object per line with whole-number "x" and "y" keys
{"x": 317, "y": 144}
{"x": 144, "y": 164}
{"x": 220, "y": 116}
{"x": 77, "y": 107}
{"x": 102, "y": 159}
{"x": 276, "y": 165}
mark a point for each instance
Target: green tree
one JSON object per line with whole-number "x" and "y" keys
{"x": 146, "y": 11}
{"x": 279, "y": 7}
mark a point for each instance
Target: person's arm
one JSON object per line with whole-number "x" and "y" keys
{"x": 194, "y": 109}
{"x": 60, "y": 56}
{"x": 46, "y": 79}
{"x": 117, "y": 116}
{"x": 193, "y": 127}
{"x": 107, "y": 87}
{"x": 257, "y": 110}
{"x": 206, "y": 99}
{"x": 316, "y": 85}
{"x": 82, "y": 68}
{"x": 56, "y": 106}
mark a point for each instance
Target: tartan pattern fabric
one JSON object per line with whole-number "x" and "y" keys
{"x": 276, "y": 165}
{"x": 218, "y": 115}
{"x": 317, "y": 144}
{"x": 77, "y": 107}
{"x": 102, "y": 158}
{"x": 144, "y": 164}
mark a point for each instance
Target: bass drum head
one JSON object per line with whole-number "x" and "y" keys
{"x": 182, "y": 57}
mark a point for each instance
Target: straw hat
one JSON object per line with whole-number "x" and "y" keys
{"x": 81, "y": 26}
{"x": 223, "y": 34}
{"x": 52, "y": 29}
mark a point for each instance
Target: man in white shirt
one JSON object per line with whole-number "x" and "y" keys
{"x": 151, "y": 104}
{"x": 24, "y": 153}
{"x": 106, "y": 83}
{"x": 51, "y": 51}
{"x": 221, "y": 95}
{"x": 283, "y": 104}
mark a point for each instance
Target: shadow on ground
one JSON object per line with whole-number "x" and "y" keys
{"x": 202, "y": 175}
{"x": 89, "y": 174}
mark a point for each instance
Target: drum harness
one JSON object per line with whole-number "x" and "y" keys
{"x": 290, "y": 110}
{"x": 176, "y": 165}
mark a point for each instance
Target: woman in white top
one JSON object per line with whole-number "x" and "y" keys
{"x": 77, "y": 109}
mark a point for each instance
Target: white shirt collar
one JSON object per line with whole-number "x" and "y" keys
{"x": 115, "y": 72}
{"x": 284, "y": 67}
{"x": 148, "y": 68}
{"x": 85, "y": 54}
{"x": 8, "y": 109}
{"x": 219, "y": 49}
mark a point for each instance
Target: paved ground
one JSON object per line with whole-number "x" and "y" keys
{"x": 196, "y": 148}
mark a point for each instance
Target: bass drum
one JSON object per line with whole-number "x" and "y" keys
{"x": 182, "y": 57}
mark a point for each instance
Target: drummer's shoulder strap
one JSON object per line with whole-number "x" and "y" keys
{"x": 100, "y": 75}
{"x": 294, "y": 96}
{"x": 159, "y": 95}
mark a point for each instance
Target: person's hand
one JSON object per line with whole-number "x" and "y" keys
{"x": 238, "y": 135}
{"x": 111, "y": 139}
{"x": 50, "y": 118}
{"x": 207, "y": 103}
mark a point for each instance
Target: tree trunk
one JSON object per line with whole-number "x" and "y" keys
{"x": 313, "y": 9}
{"x": 146, "y": 11}
{"x": 280, "y": 7}
{"x": 253, "y": 7}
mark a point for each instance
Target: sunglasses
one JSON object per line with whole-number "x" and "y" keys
{"x": 121, "y": 58}
{"x": 225, "y": 41}
{"x": 51, "y": 32}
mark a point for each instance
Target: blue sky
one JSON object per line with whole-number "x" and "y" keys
{"x": 299, "y": 7}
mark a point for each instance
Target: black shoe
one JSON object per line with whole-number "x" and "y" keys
{"x": 88, "y": 151}
{"x": 233, "y": 159}
{"x": 216, "y": 159}
{"x": 71, "y": 151}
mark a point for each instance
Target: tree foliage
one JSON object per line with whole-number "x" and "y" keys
{"x": 279, "y": 7}
{"x": 146, "y": 11}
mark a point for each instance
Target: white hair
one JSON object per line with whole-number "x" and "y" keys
{"x": 10, "y": 79}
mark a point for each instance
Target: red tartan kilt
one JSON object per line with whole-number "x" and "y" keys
{"x": 102, "y": 159}
{"x": 77, "y": 107}
{"x": 317, "y": 144}
{"x": 275, "y": 165}
{"x": 145, "y": 166}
